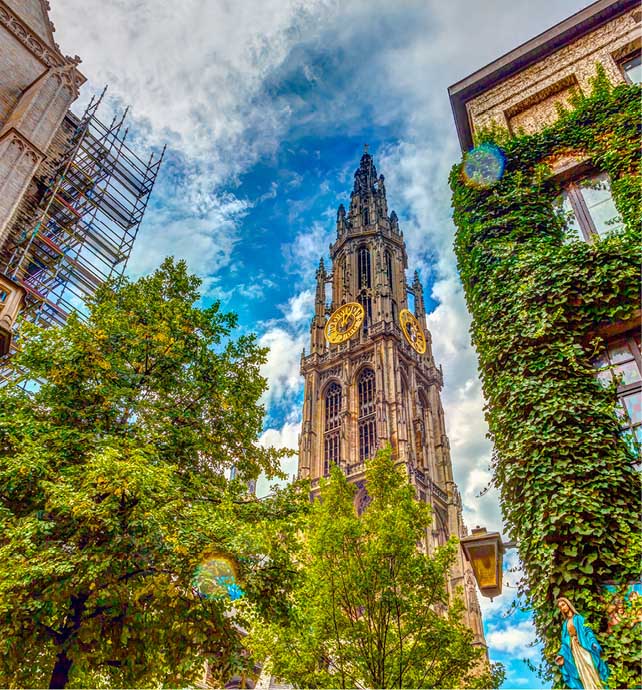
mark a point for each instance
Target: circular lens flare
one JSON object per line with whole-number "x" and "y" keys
{"x": 484, "y": 165}
{"x": 216, "y": 577}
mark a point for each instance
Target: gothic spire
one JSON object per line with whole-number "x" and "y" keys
{"x": 418, "y": 291}
{"x": 368, "y": 202}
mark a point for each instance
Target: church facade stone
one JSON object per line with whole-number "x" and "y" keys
{"x": 381, "y": 385}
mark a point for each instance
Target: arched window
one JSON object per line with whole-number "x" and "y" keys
{"x": 332, "y": 427}
{"x": 366, "y": 216}
{"x": 441, "y": 533}
{"x": 341, "y": 276}
{"x": 388, "y": 257}
{"x": 403, "y": 416}
{"x": 367, "y": 423}
{"x": 421, "y": 433}
{"x": 366, "y": 302}
{"x": 363, "y": 266}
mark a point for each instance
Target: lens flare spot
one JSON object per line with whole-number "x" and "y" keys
{"x": 484, "y": 165}
{"x": 216, "y": 577}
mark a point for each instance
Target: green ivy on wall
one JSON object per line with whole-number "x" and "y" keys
{"x": 569, "y": 492}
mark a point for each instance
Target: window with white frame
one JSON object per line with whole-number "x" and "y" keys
{"x": 588, "y": 208}
{"x": 621, "y": 362}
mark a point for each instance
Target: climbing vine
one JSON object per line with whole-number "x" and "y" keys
{"x": 569, "y": 491}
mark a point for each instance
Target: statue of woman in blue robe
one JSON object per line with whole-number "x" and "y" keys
{"x": 579, "y": 658}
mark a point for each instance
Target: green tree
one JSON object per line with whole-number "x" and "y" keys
{"x": 114, "y": 503}
{"x": 368, "y": 608}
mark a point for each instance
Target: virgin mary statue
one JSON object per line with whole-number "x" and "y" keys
{"x": 579, "y": 657}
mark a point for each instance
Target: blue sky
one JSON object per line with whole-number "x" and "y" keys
{"x": 265, "y": 106}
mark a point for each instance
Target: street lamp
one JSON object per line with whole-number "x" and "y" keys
{"x": 485, "y": 550}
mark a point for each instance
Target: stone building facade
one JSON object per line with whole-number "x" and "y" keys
{"x": 72, "y": 191}
{"x": 521, "y": 92}
{"x": 37, "y": 86}
{"x": 379, "y": 385}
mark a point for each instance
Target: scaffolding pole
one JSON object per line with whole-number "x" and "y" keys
{"x": 86, "y": 222}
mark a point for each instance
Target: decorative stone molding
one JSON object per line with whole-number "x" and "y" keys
{"x": 14, "y": 138}
{"x": 360, "y": 360}
{"x": 35, "y": 45}
{"x": 330, "y": 373}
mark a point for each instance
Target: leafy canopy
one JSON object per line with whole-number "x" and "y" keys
{"x": 368, "y": 607}
{"x": 114, "y": 492}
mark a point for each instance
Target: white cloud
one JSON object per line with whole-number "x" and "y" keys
{"x": 282, "y": 367}
{"x": 205, "y": 241}
{"x": 195, "y": 69}
{"x": 301, "y": 256}
{"x": 515, "y": 639}
{"x": 300, "y": 307}
{"x": 286, "y": 436}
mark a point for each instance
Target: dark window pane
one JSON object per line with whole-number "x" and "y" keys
{"x": 363, "y": 267}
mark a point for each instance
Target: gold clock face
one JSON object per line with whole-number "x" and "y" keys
{"x": 344, "y": 323}
{"x": 412, "y": 331}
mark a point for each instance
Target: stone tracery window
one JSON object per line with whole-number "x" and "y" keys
{"x": 366, "y": 302}
{"x": 365, "y": 283}
{"x": 363, "y": 267}
{"x": 332, "y": 427}
{"x": 367, "y": 422}
{"x": 388, "y": 258}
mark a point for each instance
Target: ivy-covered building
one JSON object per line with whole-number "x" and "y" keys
{"x": 547, "y": 208}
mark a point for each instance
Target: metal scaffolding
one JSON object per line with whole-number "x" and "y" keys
{"x": 86, "y": 222}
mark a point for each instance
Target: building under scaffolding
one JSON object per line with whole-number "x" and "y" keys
{"x": 86, "y": 220}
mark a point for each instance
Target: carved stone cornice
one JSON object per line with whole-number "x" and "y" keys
{"x": 50, "y": 57}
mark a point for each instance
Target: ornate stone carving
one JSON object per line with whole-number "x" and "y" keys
{"x": 363, "y": 358}
{"x": 35, "y": 45}
{"x": 330, "y": 373}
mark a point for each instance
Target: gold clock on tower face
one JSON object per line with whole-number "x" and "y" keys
{"x": 344, "y": 323}
{"x": 412, "y": 331}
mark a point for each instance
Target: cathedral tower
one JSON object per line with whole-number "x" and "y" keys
{"x": 370, "y": 377}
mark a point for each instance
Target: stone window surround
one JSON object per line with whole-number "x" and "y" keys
{"x": 625, "y": 53}
{"x": 558, "y": 88}
{"x": 333, "y": 399}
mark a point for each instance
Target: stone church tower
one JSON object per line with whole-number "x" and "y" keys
{"x": 370, "y": 377}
